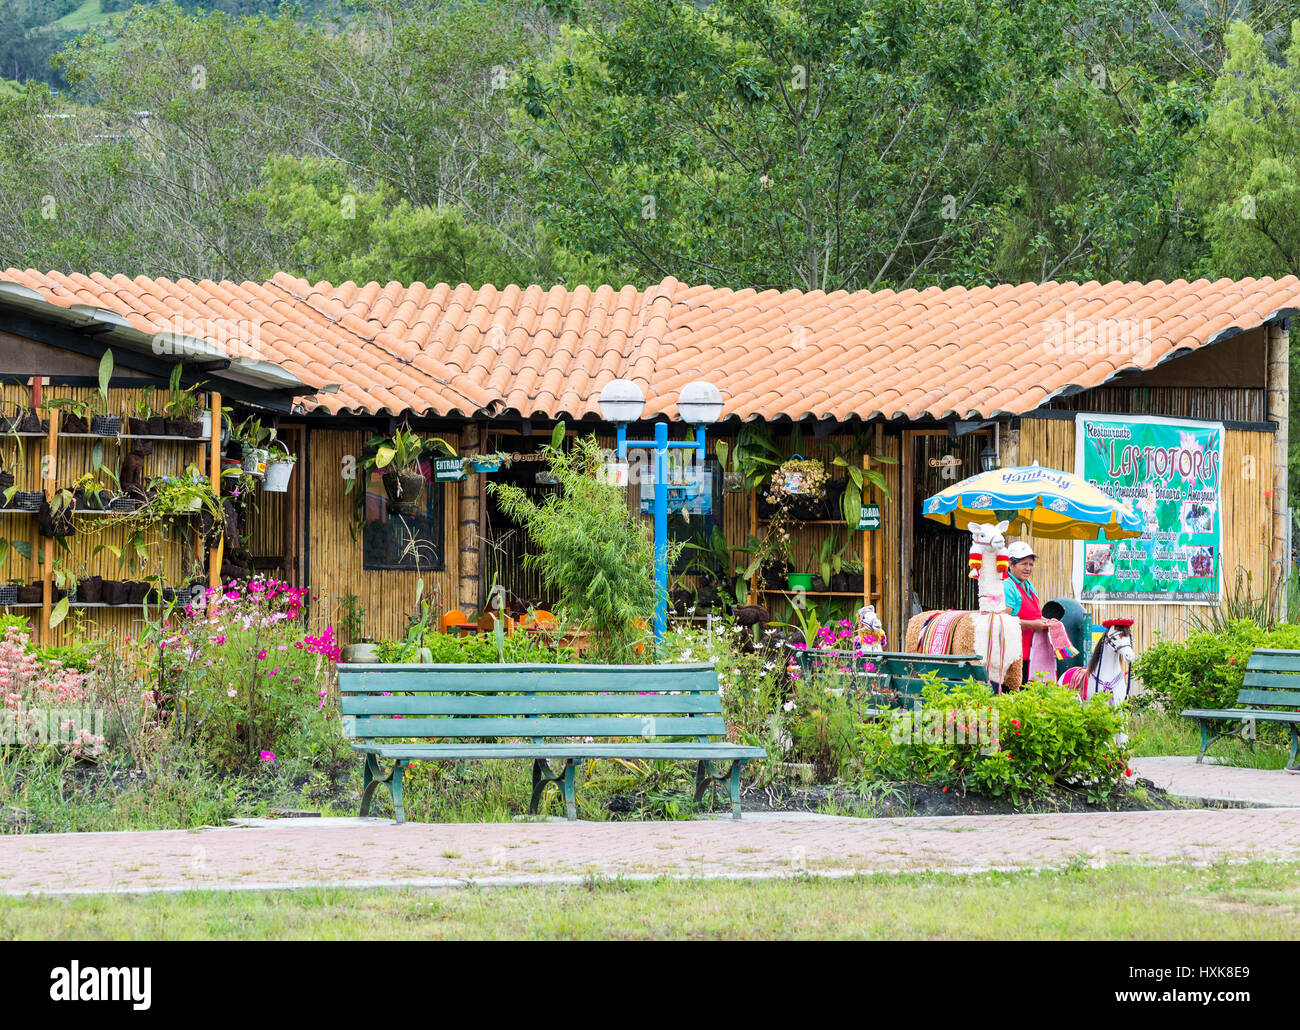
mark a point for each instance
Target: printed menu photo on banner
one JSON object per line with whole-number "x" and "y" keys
{"x": 1170, "y": 472}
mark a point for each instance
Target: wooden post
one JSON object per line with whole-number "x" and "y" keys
{"x": 754, "y": 596}
{"x": 467, "y": 594}
{"x": 1009, "y": 448}
{"x": 48, "y": 464}
{"x": 867, "y": 494}
{"x": 1279, "y": 388}
{"x": 880, "y": 550}
{"x": 214, "y": 474}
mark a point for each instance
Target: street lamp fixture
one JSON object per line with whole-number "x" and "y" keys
{"x": 699, "y": 403}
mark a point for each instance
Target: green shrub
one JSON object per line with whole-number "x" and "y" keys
{"x": 1021, "y": 743}
{"x": 1206, "y": 669}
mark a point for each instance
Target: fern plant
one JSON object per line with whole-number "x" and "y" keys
{"x": 594, "y": 555}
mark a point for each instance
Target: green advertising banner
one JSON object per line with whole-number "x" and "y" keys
{"x": 1170, "y": 473}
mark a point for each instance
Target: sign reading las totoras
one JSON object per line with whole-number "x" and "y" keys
{"x": 1169, "y": 472}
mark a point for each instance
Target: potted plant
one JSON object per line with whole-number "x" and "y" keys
{"x": 89, "y": 494}
{"x": 9, "y": 591}
{"x": 101, "y": 422}
{"x": 253, "y": 438}
{"x": 28, "y": 420}
{"x": 75, "y": 418}
{"x": 55, "y": 516}
{"x": 181, "y": 411}
{"x": 145, "y": 418}
{"x": 279, "y": 467}
{"x": 352, "y": 625}
{"x": 488, "y": 463}
{"x": 398, "y": 458}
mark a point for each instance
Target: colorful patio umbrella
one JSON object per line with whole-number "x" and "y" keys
{"x": 1046, "y": 502}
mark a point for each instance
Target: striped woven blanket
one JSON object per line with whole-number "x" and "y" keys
{"x": 936, "y": 634}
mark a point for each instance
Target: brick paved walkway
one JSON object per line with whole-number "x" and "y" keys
{"x": 374, "y": 852}
{"x": 1184, "y": 778}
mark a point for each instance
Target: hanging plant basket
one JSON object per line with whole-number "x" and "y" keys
{"x": 799, "y": 477}
{"x": 405, "y": 486}
{"x": 9, "y": 593}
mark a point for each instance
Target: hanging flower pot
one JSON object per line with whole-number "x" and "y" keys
{"x": 278, "y": 471}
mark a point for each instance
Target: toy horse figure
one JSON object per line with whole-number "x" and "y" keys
{"x": 1107, "y": 671}
{"x": 988, "y": 632}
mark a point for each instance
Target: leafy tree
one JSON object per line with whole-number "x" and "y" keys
{"x": 827, "y": 144}
{"x": 1245, "y": 176}
{"x": 333, "y": 230}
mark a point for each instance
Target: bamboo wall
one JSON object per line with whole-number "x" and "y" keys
{"x": 172, "y": 552}
{"x": 388, "y": 595}
{"x": 1247, "y": 461}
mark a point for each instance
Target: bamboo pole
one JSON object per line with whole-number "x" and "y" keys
{"x": 866, "y": 536}
{"x": 48, "y": 464}
{"x": 1279, "y": 348}
{"x": 214, "y": 474}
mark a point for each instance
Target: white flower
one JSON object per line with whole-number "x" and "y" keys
{"x": 231, "y": 693}
{"x": 735, "y": 629}
{"x": 788, "y": 706}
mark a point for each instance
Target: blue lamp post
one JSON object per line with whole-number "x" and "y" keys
{"x": 699, "y": 403}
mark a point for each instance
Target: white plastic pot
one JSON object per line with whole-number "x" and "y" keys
{"x": 277, "y": 476}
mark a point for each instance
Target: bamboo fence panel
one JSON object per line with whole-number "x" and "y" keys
{"x": 173, "y": 552}
{"x": 1210, "y": 403}
{"x": 387, "y": 595}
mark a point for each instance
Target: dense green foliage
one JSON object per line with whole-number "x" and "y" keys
{"x": 1020, "y": 744}
{"x": 593, "y": 553}
{"x": 1206, "y": 669}
{"x": 813, "y": 144}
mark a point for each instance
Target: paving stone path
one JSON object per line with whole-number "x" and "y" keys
{"x": 373, "y": 852}
{"x": 354, "y": 852}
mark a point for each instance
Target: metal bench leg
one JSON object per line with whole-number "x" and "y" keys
{"x": 703, "y": 778}
{"x": 570, "y": 795}
{"x": 706, "y": 774}
{"x": 395, "y": 788}
{"x": 372, "y": 779}
{"x": 733, "y": 787}
{"x": 544, "y": 774}
{"x": 1295, "y": 749}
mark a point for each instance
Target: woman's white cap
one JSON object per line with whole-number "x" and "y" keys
{"x": 1019, "y": 550}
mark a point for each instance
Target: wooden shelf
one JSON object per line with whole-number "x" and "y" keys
{"x": 813, "y": 593}
{"x": 127, "y": 436}
{"x": 24, "y": 604}
{"x": 814, "y": 522}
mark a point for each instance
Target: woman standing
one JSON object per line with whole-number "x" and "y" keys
{"x": 1022, "y": 600}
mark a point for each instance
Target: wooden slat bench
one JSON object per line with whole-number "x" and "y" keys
{"x": 896, "y": 681}
{"x": 1270, "y": 692}
{"x": 534, "y": 711}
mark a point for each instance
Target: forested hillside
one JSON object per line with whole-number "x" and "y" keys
{"x": 35, "y": 30}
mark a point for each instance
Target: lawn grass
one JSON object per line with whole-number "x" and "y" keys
{"x": 1154, "y": 732}
{"x": 1249, "y": 901}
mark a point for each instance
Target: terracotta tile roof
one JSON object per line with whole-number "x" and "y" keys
{"x": 933, "y": 353}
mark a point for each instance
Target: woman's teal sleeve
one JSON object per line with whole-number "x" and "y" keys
{"x": 1012, "y": 596}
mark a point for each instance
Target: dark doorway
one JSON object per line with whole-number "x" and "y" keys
{"x": 939, "y": 571}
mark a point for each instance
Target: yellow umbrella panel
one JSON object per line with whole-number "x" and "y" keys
{"x": 1045, "y": 502}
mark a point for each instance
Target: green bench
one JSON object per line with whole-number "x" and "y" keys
{"x": 1270, "y": 692}
{"x": 535, "y": 711}
{"x": 896, "y": 679}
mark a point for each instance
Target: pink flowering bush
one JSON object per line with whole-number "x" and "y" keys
{"x": 45, "y": 703}
{"x": 241, "y": 676}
